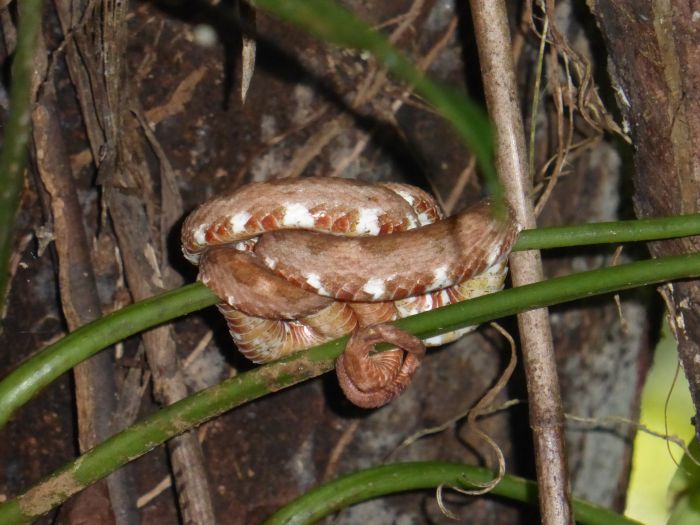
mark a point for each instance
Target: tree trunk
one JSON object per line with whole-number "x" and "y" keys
{"x": 315, "y": 110}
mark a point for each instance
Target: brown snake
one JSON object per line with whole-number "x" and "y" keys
{"x": 298, "y": 262}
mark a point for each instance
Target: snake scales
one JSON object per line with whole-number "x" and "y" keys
{"x": 298, "y": 262}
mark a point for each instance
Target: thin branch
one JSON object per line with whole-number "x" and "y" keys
{"x": 546, "y": 413}
{"x": 94, "y": 379}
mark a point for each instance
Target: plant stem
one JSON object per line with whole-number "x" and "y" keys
{"x": 28, "y": 379}
{"x": 202, "y": 406}
{"x": 399, "y": 477}
{"x": 16, "y": 132}
{"x": 609, "y": 232}
{"x": 25, "y": 381}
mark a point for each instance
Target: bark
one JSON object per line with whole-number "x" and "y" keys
{"x": 656, "y": 83}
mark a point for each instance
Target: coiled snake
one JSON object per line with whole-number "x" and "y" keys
{"x": 298, "y": 262}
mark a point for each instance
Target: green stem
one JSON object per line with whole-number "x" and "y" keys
{"x": 202, "y": 406}
{"x": 16, "y": 133}
{"x": 34, "y": 374}
{"x": 400, "y": 477}
{"x": 609, "y": 232}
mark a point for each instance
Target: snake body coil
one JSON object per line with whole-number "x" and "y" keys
{"x": 298, "y": 262}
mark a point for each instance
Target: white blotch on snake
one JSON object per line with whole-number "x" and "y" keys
{"x": 440, "y": 278}
{"x": 493, "y": 256}
{"x": 449, "y": 337}
{"x": 297, "y": 216}
{"x": 404, "y": 195}
{"x": 239, "y": 221}
{"x": 245, "y": 246}
{"x": 424, "y": 219}
{"x": 200, "y": 234}
{"x": 374, "y": 287}
{"x": 368, "y": 221}
{"x": 314, "y": 281}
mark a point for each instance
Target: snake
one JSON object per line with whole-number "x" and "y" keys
{"x": 301, "y": 261}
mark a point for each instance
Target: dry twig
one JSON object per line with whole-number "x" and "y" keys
{"x": 546, "y": 414}
{"x": 95, "y": 384}
{"x": 140, "y": 216}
